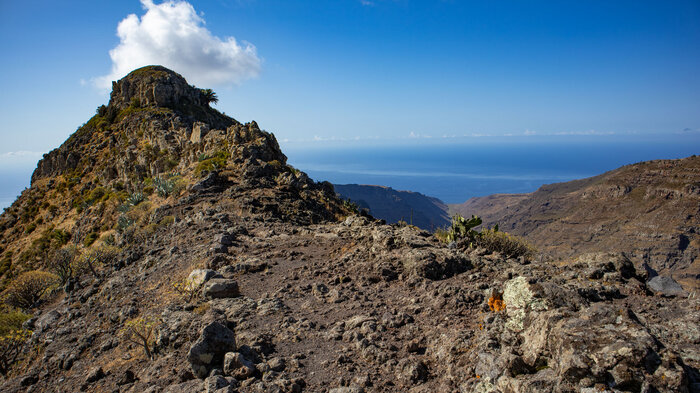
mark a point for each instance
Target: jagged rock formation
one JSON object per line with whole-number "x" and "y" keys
{"x": 649, "y": 210}
{"x": 246, "y": 276}
{"x": 393, "y": 206}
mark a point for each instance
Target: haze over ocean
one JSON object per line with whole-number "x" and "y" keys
{"x": 461, "y": 170}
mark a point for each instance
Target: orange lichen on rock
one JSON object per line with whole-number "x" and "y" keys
{"x": 496, "y": 302}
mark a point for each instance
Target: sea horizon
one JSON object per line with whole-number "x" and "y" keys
{"x": 450, "y": 169}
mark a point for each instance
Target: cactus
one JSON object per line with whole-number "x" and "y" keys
{"x": 462, "y": 228}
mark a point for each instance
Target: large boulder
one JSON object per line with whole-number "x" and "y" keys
{"x": 218, "y": 288}
{"x": 198, "y": 277}
{"x": 665, "y": 286}
{"x": 209, "y": 349}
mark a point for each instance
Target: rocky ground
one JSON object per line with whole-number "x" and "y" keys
{"x": 360, "y": 306}
{"x": 254, "y": 278}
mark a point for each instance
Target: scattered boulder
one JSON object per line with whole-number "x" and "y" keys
{"x": 218, "y": 288}
{"x": 209, "y": 349}
{"x": 238, "y": 366}
{"x": 94, "y": 375}
{"x": 45, "y": 320}
{"x": 198, "y": 277}
{"x": 665, "y": 286}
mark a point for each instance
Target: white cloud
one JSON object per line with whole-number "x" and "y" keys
{"x": 21, "y": 154}
{"x": 22, "y": 160}
{"x": 172, "y": 34}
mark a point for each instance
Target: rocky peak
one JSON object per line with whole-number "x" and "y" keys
{"x": 154, "y": 86}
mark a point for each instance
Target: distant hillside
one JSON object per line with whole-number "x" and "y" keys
{"x": 650, "y": 210}
{"x": 391, "y": 205}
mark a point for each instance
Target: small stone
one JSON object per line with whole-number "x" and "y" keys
{"x": 215, "y": 382}
{"x": 276, "y": 364}
{"x": 95, "y": 374}
{"x": 127, "y": 378}
{"x": 238, "y": 366}
{"x": 29, "y": 380}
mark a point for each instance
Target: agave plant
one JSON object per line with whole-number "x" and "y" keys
{"x": 164, "y": 187}
{"x": 135, "y": 198}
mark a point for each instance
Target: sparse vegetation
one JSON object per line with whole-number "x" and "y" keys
{"x": 11, "y": 345}
{"x": 142, "y": 332}
{"x": 11, "y": 320}
{"x": 90, "y": 238}
{"x": 164, "y": 186}
{"x": 186, "y": 289}
{"x": 508, "y": 245}
{"x": 135, "y": 198}
{"x": 463, "y": 229}
{"x": 93, "y": 259}
{"x": 63, "y": 262}
{"x": 491, "y": 239}
{"x": 28, "y": 288}
{"x": 214, "y": 162}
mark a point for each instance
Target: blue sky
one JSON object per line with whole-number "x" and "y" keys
{"x": 379, "y": 70}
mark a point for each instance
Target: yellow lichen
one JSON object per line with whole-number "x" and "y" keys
{"x": 496, "y": 302}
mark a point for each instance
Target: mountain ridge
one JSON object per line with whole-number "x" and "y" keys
{"x": 620, "y": 210}
{"x": 175, "y": 251}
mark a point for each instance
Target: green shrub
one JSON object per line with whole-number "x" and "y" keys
{"x": 351, "y": 206}
{"x": 275, "y": 164}
{"x": 50, "y": 240}
{"x": 491, "y": 239}
{"x": 212, "y": 163}
{"x": 90, "y": 238}
{"x": 6, "y": 262}
{"x": 11, "y": 347}
{"x": 124, "y": 222}
{"x": 11, "y": 320}
{"x": 462, "y": 228}
{"x": 167, "y": 220}
{"x": 30, "y": 228}
{"x": 29, "y": 287}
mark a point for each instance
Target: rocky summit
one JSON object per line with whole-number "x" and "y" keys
{"x": 174, "y": 250}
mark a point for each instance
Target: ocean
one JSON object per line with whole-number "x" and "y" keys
{"x": 452, "y": 170}
{"x": 458, "y": 171}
